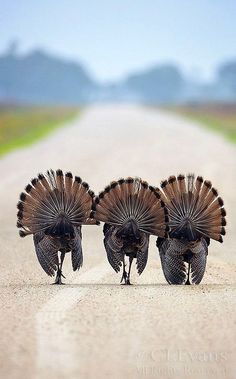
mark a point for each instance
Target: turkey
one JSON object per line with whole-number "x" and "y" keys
{"x": 52, "y": 209}
{"x": 196, "y": 215}
{"x": 131, "y": 211}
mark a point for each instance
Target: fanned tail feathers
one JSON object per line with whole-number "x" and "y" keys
{"x": 132, "y": 199}
{"x": 195, "y": 209}
{"x": 54, "y": 201}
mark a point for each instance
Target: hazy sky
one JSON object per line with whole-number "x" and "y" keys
{"x": 113, "y": 38}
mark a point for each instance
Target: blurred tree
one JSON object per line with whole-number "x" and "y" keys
{"x": 159, "y": 84}
{"x": 227, "y": 76}
{"x": 13, "y": 47}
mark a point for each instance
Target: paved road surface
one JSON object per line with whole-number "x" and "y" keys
{"x": 93, "y": 327}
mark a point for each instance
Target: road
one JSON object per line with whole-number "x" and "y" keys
{"x": 92, "y": 327}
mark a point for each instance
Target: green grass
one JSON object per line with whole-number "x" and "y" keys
{"x": 218, "y": 117}
{"x": 22, "y": 126}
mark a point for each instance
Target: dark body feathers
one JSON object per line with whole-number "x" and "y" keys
{"x": 196, "y": 215}
{"x": 53, "y": 208}
{"x": 131, "y": 210}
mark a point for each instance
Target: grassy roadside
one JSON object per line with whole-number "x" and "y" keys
{"x": 220, "y": 118}
{"x": 22, "y": 126}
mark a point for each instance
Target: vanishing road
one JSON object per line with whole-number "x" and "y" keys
{"x": 92, "y": 327}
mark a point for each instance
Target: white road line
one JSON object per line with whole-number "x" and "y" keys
{"x": 55, "y": 350}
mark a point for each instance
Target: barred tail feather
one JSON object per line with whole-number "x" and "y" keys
{"x": 53, "y": 201}
{"x": 195, "y": 208}
{"x": 132, "y": 199}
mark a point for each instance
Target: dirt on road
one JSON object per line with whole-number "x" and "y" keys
{"x": 92, "y": 327}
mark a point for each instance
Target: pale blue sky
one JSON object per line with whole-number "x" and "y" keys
{"x": 113, "y": 38}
